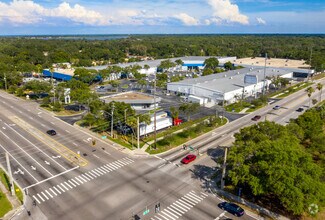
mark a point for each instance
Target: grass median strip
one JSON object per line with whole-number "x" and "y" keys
{"x": 54, "y": 145}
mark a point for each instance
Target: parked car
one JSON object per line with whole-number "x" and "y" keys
{"x": 277, "y": 107}
{"x": 188, "y": 159}
{"x": 256, "y": 118}
{"x": 300, "y": 109}
{"x": 51, "y": 132}
{"x": 232, "y": 208}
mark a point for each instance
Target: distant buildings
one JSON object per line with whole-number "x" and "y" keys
{"x": 232, "y": 85}
{"x": 59, "y": 74}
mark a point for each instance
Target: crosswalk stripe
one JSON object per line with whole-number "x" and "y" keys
{"x": 113, "y": 165}
{"x": 188, "y": 201}
{"x": 165, "y": 213}
{"x": 90, "y": 173}
{"x": 192, "y": 198}
{"x": 89, "y": 176}
{"x": 84, "y": 176}
{"x": 123, "y": 162}
{"x": 183, "y": 201}
{"x": 126, "y": 158}
{"x": 95, "y": 172}
{"x": 79, "y": 180}
{"x": 80, "y": 177}
{"x": 60, "y": 188}
{"x": 45, "y": 196}
{"x": 104, "y": 168}
{"x": 53, "y": 191}
{"x": 204, "y": 194}
{"x": 68, "y": 185}
{"x": 49, "y": 193}
{"x": 119, "y": 163}
{"x": 104, "y": 171}
{"x": 64, "y": 186}
{"x": 174, "y": 206}
{"x": 57, "y": 190}
{"x": 157, "y": 218}
{"x": 72, "y": 183}
{"x": 40, "y": 197}
{"x": 173, "y": 211}
{"x": 196, "y": 196}
{"x": 163, "y": 216}
{"x": 108, "y": 167}
{"x": 36, "y": 200}
{"x": 180, "y": 207}
{"x": 76, "y": 182}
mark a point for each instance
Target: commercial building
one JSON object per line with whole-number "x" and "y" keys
{"x": 228, "y": 86}
{"x": 138, "y": 101}
{"x": 190, "y": 62}
{"x": 59, "y": 74}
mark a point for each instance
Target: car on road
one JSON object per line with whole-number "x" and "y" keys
{"x": 188, "y": 159}
{"x": 277, "y": 107}
{"x": 51, "y": 132}
{"x": 256, "y": 118}
{"x": 232, "y": 208}
{"x": 300, "y": 109}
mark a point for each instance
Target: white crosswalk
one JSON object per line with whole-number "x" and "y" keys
{"x": 80, "y": 180}
{"x": 180, "y": 206}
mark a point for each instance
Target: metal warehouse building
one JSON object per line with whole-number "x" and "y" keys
{"x": 225, "y": 87}
{"x": 59, "y": 74}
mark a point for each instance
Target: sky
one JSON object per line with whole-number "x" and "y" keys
{"x": 59, "y": 17}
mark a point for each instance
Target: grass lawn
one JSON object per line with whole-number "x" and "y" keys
{"x": 294, "y": 89}
{"x": 5, "y": 205}
{"x": 5, "y": 180}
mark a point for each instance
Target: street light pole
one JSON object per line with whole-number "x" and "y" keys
{"x": 264, "y": 74}
{"x": 112, "y": 121}
{"x": 155, "y": 114}
{"x": 223, "y": 176}
{"x": 5, "y": 79}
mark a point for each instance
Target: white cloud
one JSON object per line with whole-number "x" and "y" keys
{"x": 186, "y": 19}
{"x": 28, "y": 12}
{"x": 260, "y": 20}
{"x": 226, "y": 11}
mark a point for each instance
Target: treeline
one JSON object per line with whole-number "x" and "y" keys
{"x": 282, "y": 165}
{"x": 23, "y": 55}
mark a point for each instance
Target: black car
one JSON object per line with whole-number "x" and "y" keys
{"x": 51, "y": 132}
{"x": 256, "y": 118}
{"x": 300, "y": 110}
{"x": 232, "y": 208}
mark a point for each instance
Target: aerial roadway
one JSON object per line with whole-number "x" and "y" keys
{"x": 76, "y": 174}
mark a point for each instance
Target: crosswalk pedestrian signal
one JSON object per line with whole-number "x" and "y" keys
{"x": 157, "y": 208}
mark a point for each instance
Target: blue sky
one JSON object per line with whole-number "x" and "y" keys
{"x": 160, "y": 16}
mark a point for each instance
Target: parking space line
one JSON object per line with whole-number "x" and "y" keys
{"x": 49, "y": 193}
{"x": 53, "y": 191}
{"x": 56, "y": 190}
{"x": 40, "y": 197}
{"x": 64, "y": 186}
{"x": 60, "y": 188}
{"x": 45, "y": 196}
{"x": 36, "y": 200}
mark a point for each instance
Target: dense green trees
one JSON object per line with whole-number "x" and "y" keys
{"x": 282, "y": 163}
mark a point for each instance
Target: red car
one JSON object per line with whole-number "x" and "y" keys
{"x": 188, "y": 159}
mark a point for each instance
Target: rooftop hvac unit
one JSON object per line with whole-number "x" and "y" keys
{"x": 259, "y": 71}
{"x": 225, "y": 75}
{"x": 230, "y": 77}
{"x": 237, "y": 73}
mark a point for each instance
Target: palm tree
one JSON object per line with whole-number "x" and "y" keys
{"x": 309, "y": 91}
{"x": 320, "y": 87}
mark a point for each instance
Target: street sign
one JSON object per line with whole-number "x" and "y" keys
{"x": 104, "y": 137}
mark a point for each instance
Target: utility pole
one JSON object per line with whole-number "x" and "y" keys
{"x": 5, "y": 79}
{"x": 125, "y": 115}
{"x": 223, "y": 176}
{"x": 155, "y": 114}
{"x": 311, "y": 53}
{"x": 12, "y": 186}
{"x": 264, "y": 74}
{"x": 112, "y": 121}
{"x": 138, "y": 133}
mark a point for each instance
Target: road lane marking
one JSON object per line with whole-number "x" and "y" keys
{"x": 204, "y": 194}
{"x": 165, "y": 213}
{"x": 163, "y": 216}
{"x": 177, "y": 208}
{"x": 174, "y": 211}
{"x": 220, "y": 216}
{"x": 19, "y": 163}
{"x": 53, "y": 191}
{"x": 49, "y": 193}
{"x": 40, "y": 197}
{"x": 36, "y": 200}
{"x": 96, "y": 156}
{"x": 52, "y": 123}
{"x": 67, "y": 131}
{"x": 180, "y": 207}
{"x": 60, "y": 188}
{"x": 39, "y": 182}
{"x": 45, "y": 196}
{"x": 194, "y": 198}
{"x": 57, "y": 190}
